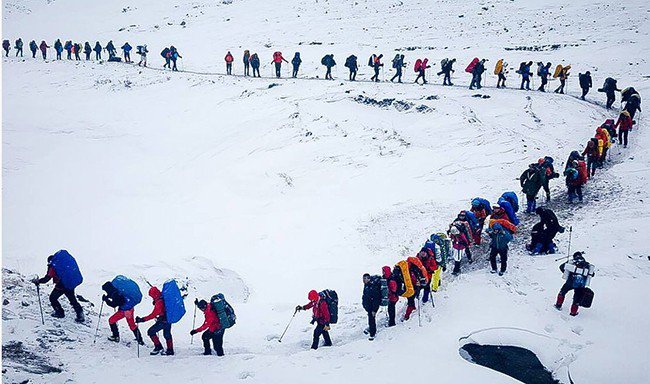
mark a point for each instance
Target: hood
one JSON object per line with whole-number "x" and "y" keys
{"x": 109, "y": 288}
{"x": 154, "y": 293}
{"x": 387, "y": 272}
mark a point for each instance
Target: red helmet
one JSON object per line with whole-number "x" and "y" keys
{"x": 313, "y": 295}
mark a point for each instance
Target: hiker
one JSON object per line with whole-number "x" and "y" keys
{"x": 19, "y": 47}
{"x": 577, "y": 273}
{"x": 421, "y": 70}
{"x": 87, "y": 50}
{"x": 376, "y": 64}
{"x": 65, "y": 281}
{"x": 44, "y": 48}
{"x": 524, "y": 71}
{"x": 543, "y": 73}
{"x": 481, "y": 209}
{"x": 544, "y": 232}
{"x": 277, "y": 61}
{"x": 477, "y": 74}
{"x": 110, "y": 48}
{"x": 576, "y": 177}
{"x": 58, "y": 48}
{"x": 441, "y": 247}
{"x": 624, "y": 125}
{"x": 247, "y": 64}
{"x": 33, "y": 47}
{"x": 398, "y": 64}
{"x": 98, "y": 51}
{"x": 446, "y": 67}
{"x": 212, "y": 328}
{"x": 371, "y": 301}
{"x": 125, "y": 308}
{"x": 539, "y": 243}
{"x": 393, "y": 297}
{"x": 546, "y": 164}
{"x": 564, "y": 74}
{"x": 229, "y": 59}
{"x": 510, "y": 204}
{"x": 585, "y": 83}
{"x": 574, "y": 155}
{"x": 609, "y": 88}
{"x": 501, "y": 82}
{"x": 320, "y": 316}
{"x": 531, "y": 181}
{"x": 6, "y": 45}
{"x": 593, "y": 156}
{"x": 499, "y": 216}
{"x": 127, "y": 52}
{"x": 499, "y": 246}
{"x": 68, "y": 49}
{"x": 158, "y": 313}
{"x": 603, "y": 137}
{"x": 295, "y": 63}
{"x": 351, "y": 64}
{"x": 76, "y": 48}
{"x": 255, "y": 64}
{"x": 165, "y": 53}
{"x": 428, "y": 259}
{"x": 418, "y": 278}
{"x": 142, "y": 51}
{"x": 460, "y": 243}
{"x": 632, "y": 101}
{"x": 328, "y": 62}
{"x": 173, "y": 56}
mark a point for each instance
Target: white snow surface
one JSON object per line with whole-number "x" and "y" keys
{"x": 265, "y": 189}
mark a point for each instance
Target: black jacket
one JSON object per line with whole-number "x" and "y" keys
{"x": 371, "y": 299}
{"x": 113, "y": 297}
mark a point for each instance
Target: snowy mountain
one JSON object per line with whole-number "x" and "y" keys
{"x": 264, "y": 189}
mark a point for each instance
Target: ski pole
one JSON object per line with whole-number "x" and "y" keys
{"x": 40, "y": 307}
{"x": 193, "y": 322}
{"x": 419, "y": 312}
{"x": 138, "y": 347}
{"x": 569, "y": 249}
{"x": 101, "y": 307}
{"x": 285, "y": 330}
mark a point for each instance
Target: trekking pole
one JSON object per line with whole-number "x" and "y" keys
{"x": 193, "y": 323}
{"x": 138, "y": 347}
{"x": 419, "y": 312}
{"x": 285, "y": 330}
{"x": 569, "y": 248}
{"x": 40, "y": 307}
{"x": 101, "y": 307}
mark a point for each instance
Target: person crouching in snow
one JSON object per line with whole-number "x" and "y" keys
{"x": 460, "y": 243}
{"x": 212, "y": 328}
{"x": 320, "y": 316}
{"x": 499, "y": 246}
{"x": 578, "y": 273}
{"x": 161, "y": 324}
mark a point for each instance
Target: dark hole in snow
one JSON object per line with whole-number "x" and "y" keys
{"x": 516, "y": 362}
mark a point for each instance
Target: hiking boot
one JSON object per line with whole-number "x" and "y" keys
{"x": 80, "y": 317}
{"x": 138, "y": 336}
{"x": 371, "y": 338}
{"x": 327, "y": 344}
{"x": 493, "y": 271}
{"x": 169, "y": 352}
{"x": 114, "y": 338}
{"x": 207, "y": 352}
{"x": 157, "y": 349}
{"x": 558, "y": 303}
{"x": 58, "y": 315}
{"x": 501, "y": 273}
{"x": 574, "y": 310}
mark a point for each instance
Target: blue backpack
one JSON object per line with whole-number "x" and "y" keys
{"x": 472, "y": 220}
{"x": 129, "y": 290}
{"x": 66, "y": 269}
{"x": 482, "y": 203}
{"x": 512, "y": 198}
{"x": 510, "y": 211}
{"x": 174, "y": 306}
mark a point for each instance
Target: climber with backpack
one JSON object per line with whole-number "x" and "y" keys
{"x": 593, "y": 156}
{"x": 229, "y": 59}
{"x": 212, "y": 328}
{"x": 328, "y": 62}
{"x": 499, "y": 246}
{"x": 174, "y": 56}
{"x": 351, "y": 64}
{"x": 446, "y": 68}
{"x": 255, "y": 64}
{"x": 320, "y": 315}
{"x": 295, "y": 62}
{"x": 19, "y": 47}
{"x": 165, "y": 53}
{"x": 544, "y": 232}
{"x": 632, "y": 101}
{"x": 63, "y": 270}
{"x": 531, "y": 181}
{"x": 510, "y": 204}
{"x": 575, "y": 177}
{"x": 563, "y": 75}
{"x": 87, "y": 50}
{"x": 420, "y": 67}
{"x": 585, "y": 83}
{"x": 393, "y": 297}
{"x": 546, "y": 164}
{"x": 577, "y": 273}
{"x": 277, "y": 61}
{"x": 247, "y": 64}
{"x": 544, "y": 72}
{"x": 609, "y": 88}
{"x": 371, "y": 301}
{"x": 440, "y": 245}
{"x": 477, "y": 74}
{"x": 460, "y": 244}
{"x": 376, "y": 64}
{"x": 124, "y": 294}
{"x": 428, "y": 259}
{"x": 33, "y": 47}
{"x": 624, "y": 125}
{"x": 398, "y": 64}
{"x": 168, "y": 309}
{"x": 524, "y": 71}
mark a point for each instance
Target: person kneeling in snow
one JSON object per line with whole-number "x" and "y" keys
{"x": 321, "y": 316}
{"x": 212, "y": 328}
{"x": 161, "y": 324}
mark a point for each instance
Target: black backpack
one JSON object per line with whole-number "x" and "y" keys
{"x": 332, "y": 300}
{"x": 399, "y": 280}
{"x": 371, "y": 61}
{"x": 164, "y": 52}
{"x": 521, "y": 68}
{"x": 324, "y": 60}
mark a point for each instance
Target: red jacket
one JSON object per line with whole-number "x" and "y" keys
{"x": 624, "y": 123}
{"x": 229, "y": 58}
{"x": 158, "y": 305}
{"x": 51, "y": 274}
{"x": 44, "y": 46}
{"x": 392, "y": 285}
{"x": 321, "y": 312}
{"x": 211, "y": 322}
{"x": 429, "y": 264}
{"x": 277, "y": 58}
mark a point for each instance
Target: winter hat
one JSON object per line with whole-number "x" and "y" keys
{"x": 366, "y": 275}
{"x": 202, "y": 304}
{"x": 313, "y": 295}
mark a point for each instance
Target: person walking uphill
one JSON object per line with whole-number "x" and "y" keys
{"x": 585, "y": 83}
{"x": 247, "y": 64}
{"x": 624, "y": 125}
{"x": 255, "y": 64}
{"x": 398, "y": 65}
{"x": 477, "y": 74}
{"x": 142, "y": 51}
{"x": 19, "y": 47}
{"x": 229, "y": 59}
{"x": 609, "y": 88}
{"x": 544, "y": 73}
{"x": 499, "y": 246}
{"x": 564, "y": 74}
{"x": 577, "y": 273}
{"x": 295, "y": 63}
{"x": 376, "y": 64}
{"x": 174, "y": 55}
{"x": 524, "y": 71}
{"x": 161, "y": 324}
{"x": 328, "y": 62}
{"x": 277, "y": 61}
{"x": 446, "y": 67}
{"x": 371, "y": 301}
{"x": 393, "y": 297}
{"x": 127, "y": 52}
{"x": 212, "y": 328}
{"x": 352, "y": 65}
{"x": 124, "y": 297}
{"x": 44, "y": 48}
{"x": 531, "y": 182}
{"x": 320, "y": 316}
{"x": 63, "y": 270}
{"x": 33, "y": 47}
{"x": 421, "y": 70}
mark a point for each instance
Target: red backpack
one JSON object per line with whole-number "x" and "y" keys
{"x": 583, "y": 175}
{"x": 418, "y": 65}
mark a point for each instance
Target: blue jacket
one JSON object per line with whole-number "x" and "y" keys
{"x": 500, "y": 237}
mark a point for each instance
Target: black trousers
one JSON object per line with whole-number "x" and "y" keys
{"x": 33, "y": 54}
{"x": 161, "y": 326}
{"x": 256, "y": 70}
{"x": 398, "y": 75}
{"x": 447, "y": 79}
{"x": 294, "y": 73}
{"x": 584, "y": 93}
{"x": 502, "y": 81}
{"x": 247, "y": 69}
{"x": 391, "y": 313}
{"x": 278, "y": 66}
{"x": 229, "y": 68}
{"x": 98, "y": 55}
{"x": 622, "y": 137}
{"x": 577, "y": 294}
{"x": 54, "y": 300}
{"x": 544, "y": 82}
{"x": 560, "y": 89}
{"x": 372, "y": 324}
{"x": 328, "y": 74}
{"x": 353, "y": 75}
{"x": 526, "y": 81}
{"x": 19, "y": 50}
{"x": 217, "y": 341}
{"x": 611, "y": 97}
{"x": 318, "y": 331}
{"x": 420, "y": 76}
{"x": 127, "y": 56}
{"x": 376, "y": 75}
{"x": 504, "y": 258}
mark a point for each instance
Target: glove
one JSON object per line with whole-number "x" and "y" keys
{"x": 104, "y": 297}
{"x": 298, "y": 308}
{"x": 138, "y": 319}
{"x": 326, "y": 328}
{"x": 312, "y": 321}
{"x": 444, "y": 268}
{"x": 35, "y": 281}
{"x": 561, "y": 230}
{"x": 193, "y": 332}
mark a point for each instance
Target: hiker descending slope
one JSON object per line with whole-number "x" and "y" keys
{"x": 320, "y": 315}
{"x": 351, "y": 64}
{"x": 277, "y": 61}
{"x": 124, "y": 294}
{"x": 295, "y": 63}
{"x": 499, "y": 246}
{"x": 577, "y": 273}
{"x": 168, "y": 309}
{"x": 376, "y": 64}
{"x": 398, "y": 65}
{"x": 446, "y": 68}
{"x": 229, "y": 59}
{"x": 212, "y": 327}
{"x": 371, "y": 301}
{"x": 393, "y": 297}
{"x": 63, "y": 270}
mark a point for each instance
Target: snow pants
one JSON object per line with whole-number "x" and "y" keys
{"x": 128, "y": 315}
{"x": 54, "y": 300}
{"x": 318, "y": 331}
{"x": 217, "y": 341}
{"x": 503, "y": 253}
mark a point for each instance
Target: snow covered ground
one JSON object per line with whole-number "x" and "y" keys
{"x": 264, "y": 189}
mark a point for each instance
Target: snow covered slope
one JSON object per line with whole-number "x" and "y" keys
{"x": 265, "y": 189}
